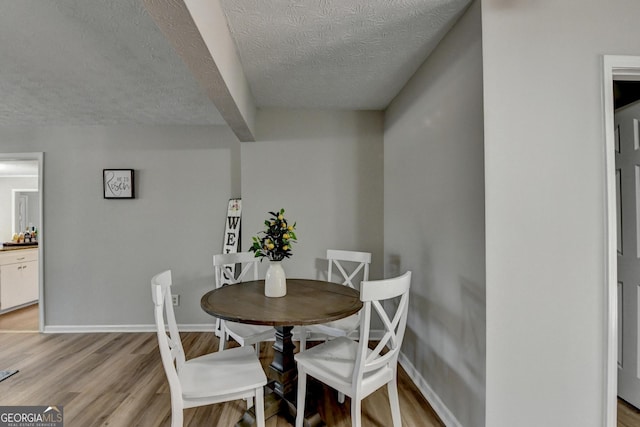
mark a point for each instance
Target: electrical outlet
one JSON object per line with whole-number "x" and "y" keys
{"x": 175, "y": 299}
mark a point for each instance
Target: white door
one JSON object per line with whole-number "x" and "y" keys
{"x": 628, "y": 209}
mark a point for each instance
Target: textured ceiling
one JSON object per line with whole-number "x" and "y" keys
{"x": 338, "y": 54}
{"x": 92, "y": 62}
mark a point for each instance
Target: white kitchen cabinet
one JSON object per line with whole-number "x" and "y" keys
{"x": 18, "y": 278}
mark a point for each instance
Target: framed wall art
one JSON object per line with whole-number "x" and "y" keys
{"x": 118, "y": 183}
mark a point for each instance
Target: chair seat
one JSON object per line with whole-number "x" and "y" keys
{"x": 231, "y": 371}
{"x": 333, "y": 362}
{"x": 337, "y": 328}
{"x": 253, "y": 333}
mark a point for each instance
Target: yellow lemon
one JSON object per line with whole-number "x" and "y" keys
{"x": 280, "y": 217}
{"x": 285, "y": 247}
{"x": 270, "y": 246}
{"x": 285, "y": 236}
{"x": 290, "y": 228}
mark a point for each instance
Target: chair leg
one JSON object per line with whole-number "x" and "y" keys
{"x": 177, "y": 409}
{"x": 302, "y": 392}
{"x": 303, "y": 339}
{"x": 394, "y": 402}
{"x": 176, "y": 421}
{"x": 356, "y": 410}
{"x": 259, "y": 406}
{"x": 223, "y": 340}
{"x": 217, "y": 328}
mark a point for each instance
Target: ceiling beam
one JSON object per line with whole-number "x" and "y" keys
{"x": 198, "y": 31}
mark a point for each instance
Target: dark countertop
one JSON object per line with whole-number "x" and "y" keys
{"x": 17, "y": 248}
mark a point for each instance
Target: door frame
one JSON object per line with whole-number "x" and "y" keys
{"x": 39, "y": 157}
{"x": 615, "y": 67}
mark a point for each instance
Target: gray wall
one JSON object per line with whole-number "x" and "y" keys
{"x": 6, "y": 185}
{"x": 545, "y": 205}
{"x": 100, "y": 254}
{"x": 434, "y": 221}
{"x": 325, "y": 169}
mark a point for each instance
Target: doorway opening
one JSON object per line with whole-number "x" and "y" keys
{"x": 21, "y": 189}
{"x": 615, "y": 68}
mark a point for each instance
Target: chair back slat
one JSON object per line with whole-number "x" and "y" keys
{"x": 224, "y": 275}
{"x": 171, "y": 350}
{"x": 248, "y": 271}
{"x": 385, "y": 354}
{"x": 349, "y": 264}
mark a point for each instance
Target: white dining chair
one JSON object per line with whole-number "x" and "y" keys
{"x": 351, "y": 367}
{"x": 213, "y": 378}
{"x": 243, "y": 333}
{"x": 347, "y": 268}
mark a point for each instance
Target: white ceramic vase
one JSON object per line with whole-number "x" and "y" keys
{"x": 275, "y": 282}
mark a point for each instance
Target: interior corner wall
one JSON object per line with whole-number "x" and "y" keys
{"x": 434, "y": 222}
{"x": 545, "y": 206}
{"x": 101, "y": 254}
{"x": 325, "y": 169}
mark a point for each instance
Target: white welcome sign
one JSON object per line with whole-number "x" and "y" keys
{"x": 231, "y": 242}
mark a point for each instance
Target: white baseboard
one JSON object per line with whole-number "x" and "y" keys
{"x": 91, "y": 329}
{"x": 438, "y": 406}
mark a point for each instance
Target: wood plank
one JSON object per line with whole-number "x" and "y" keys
{"x": 117, "y": 379}
{"x": 96, "y": 362}
{"x": 22, "y": 320}
{"x": 628, "y": 415}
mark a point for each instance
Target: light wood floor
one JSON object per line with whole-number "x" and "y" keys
{"x": 22, "y": 320}
{"x": 116, "y": 379}
{"x": 628, "y": 416}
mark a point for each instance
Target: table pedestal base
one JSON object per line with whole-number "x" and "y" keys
{"x": 275, "y": 405}
{"x": 280, "y": 393}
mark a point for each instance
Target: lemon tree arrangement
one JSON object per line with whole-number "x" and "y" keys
{"x": 274, "y": 242}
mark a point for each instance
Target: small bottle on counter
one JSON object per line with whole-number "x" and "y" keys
{"x": 27, "y": 236}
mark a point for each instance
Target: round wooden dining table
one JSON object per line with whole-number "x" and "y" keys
{"x": 307, "y": 302}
